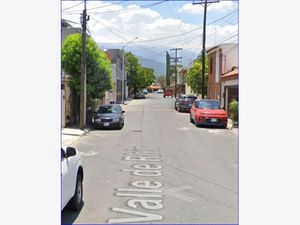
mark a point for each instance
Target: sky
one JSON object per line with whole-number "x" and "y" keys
{"x": 158, "y": 26}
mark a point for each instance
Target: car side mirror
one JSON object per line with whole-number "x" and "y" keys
{"x": 123, "y": 111}
{"x": 70, "y": 152}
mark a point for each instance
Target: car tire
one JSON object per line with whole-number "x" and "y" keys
{"x": 76, "y": 201}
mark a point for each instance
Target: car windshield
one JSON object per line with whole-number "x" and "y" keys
{"x": 108, "y": 109}
{"x": 208, "y": 105}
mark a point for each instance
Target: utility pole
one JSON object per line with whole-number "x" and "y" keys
{"x": 176, "y": 60}
{"x": 205, "y": 2}
{"x": 124, "y": 68}
{"x": 83, "y": 71}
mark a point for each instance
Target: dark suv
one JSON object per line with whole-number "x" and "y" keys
{"x": 184, "y": 102}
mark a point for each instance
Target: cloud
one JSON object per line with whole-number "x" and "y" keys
{"x": 108, "y": 27}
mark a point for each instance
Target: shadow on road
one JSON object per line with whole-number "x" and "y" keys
{"x": 68, "y": 216}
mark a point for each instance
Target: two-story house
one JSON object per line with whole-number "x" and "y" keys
{"x": 117, "y": 75}
{"x": 223, "y": 59}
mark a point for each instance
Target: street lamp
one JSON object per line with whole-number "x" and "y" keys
{"x": 124, "y": 68}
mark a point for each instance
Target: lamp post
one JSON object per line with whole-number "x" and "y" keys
{"x": 124, "y": 68}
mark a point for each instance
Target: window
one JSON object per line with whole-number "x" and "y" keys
{"x": 211, "y": 62}
{"x": 209, "y": 105}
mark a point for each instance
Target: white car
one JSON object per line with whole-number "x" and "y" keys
{"x": 71, "y": 178}
{"x": 160, "y": 91}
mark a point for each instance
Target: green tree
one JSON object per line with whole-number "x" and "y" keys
{"x": 233, "y": 109}
{"x": 138, "y": 77}
{"x": 194, "y": 76}
{"x": 147, "y": 76}
{"x": 99, "y": 73}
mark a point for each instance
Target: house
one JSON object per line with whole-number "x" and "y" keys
{"x": 154, "y": 87}
{"x": 116, "y": 57}
{"x": 70, "y": 101}
{"x": 222, "y": 64}
{"x": 229, "y": 87}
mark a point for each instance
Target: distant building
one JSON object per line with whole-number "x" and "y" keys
{"x": 117, "y": 75}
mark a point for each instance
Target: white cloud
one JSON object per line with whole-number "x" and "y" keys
{"x": 148, "y": 24}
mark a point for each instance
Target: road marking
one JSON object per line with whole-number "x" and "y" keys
{"x": 145, "y": 216}
{"x": 184, "y": 128}
{"x": 90, "y": 153}
{"x": 215, "y": 131}
{"x": 174, "y": 193}
{"x": 144, "y": 189}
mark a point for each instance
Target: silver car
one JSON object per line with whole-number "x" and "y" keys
{"x": 108, "y": 116}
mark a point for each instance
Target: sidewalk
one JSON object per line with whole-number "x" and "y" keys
{"x": 230, "y": 126}
{"x": 70, "y": 135}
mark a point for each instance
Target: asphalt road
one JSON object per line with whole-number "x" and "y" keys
{"x": 159, "y": 168}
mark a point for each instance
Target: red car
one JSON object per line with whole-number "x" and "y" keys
{"x": 168, "y": 92}
{"x": 208, "y": 112}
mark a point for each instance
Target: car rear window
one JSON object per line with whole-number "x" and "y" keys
{"x": 208, "y": 105}
{"x": 109, "y": 109}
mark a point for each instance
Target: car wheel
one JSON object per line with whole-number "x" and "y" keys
{"x": 164, "y": 96}
{"x": 121, "y": 125}
{"x": 76, "y": 201}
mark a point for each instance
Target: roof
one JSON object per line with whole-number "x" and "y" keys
{"x": 231, "y": 74}
{"x": 220, "y": 46}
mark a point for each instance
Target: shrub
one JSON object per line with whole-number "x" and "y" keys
{"x": 233, "y": 109}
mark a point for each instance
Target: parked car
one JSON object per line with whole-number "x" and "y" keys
{"x": 110, "y": 115}
{"x": 139, "y": 95}
{"x": 160, "y": 91}
{"x": 184, "y": 102}
{"x": 71, "y": 178}
{"x": 208, "y": 112}
{"x": 168, "y": 92}
{"x": 145, "y": 91}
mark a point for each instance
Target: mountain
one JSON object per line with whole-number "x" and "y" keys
{"x": 148, "y": 58}
{"x": 158, "y": 67}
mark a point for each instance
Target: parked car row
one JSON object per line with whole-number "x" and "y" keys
{"x": 202, "y": 111}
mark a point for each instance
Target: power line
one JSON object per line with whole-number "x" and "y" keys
{"x": 98, "y": 7}
{"x": 72, "y": 6}
{"x": 124, "y": 10}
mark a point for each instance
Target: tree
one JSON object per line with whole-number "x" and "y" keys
{"x": 138, "y": 77}
{"x": 194, "y": 76}
{"x": 99, "y": 73}
{"x": 162, "y": 81}
{"x": 147, "y": 76}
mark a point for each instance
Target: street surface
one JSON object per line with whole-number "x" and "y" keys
{"x": 159, "y": 168}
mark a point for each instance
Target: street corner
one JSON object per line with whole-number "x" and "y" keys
{"x": 70, "y": 135}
